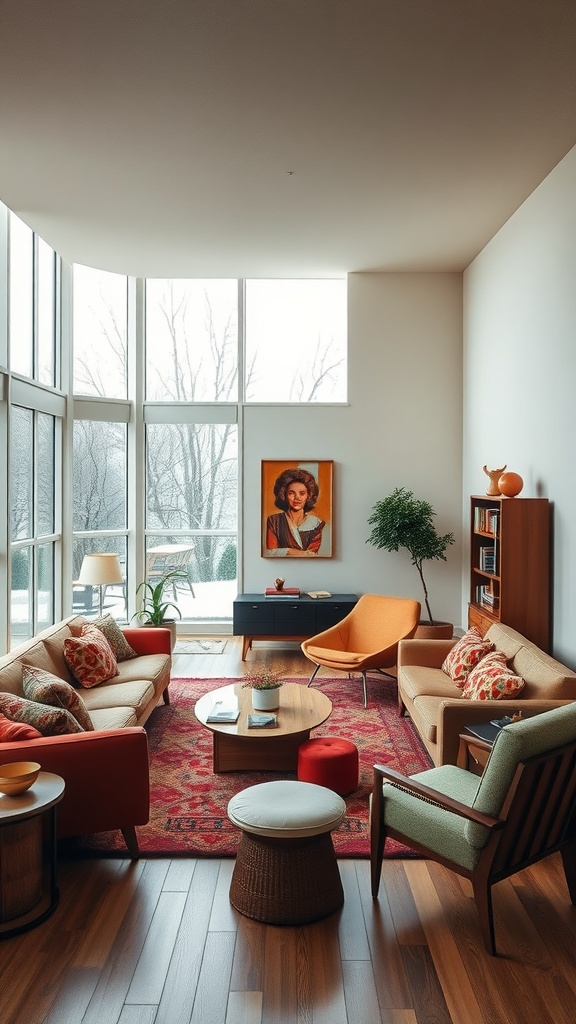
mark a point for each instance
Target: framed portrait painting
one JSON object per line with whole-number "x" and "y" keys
{"x": 297, "y": 513}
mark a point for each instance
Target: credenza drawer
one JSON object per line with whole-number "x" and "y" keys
{"x": 253, "y": 618}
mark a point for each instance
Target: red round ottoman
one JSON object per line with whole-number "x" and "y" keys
{"x": 329, "y": 761}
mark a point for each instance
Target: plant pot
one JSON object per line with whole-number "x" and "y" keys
{"x": 436, "y": 631}
{"x": 266, "y": 700}
{"x": 167, "y": 624}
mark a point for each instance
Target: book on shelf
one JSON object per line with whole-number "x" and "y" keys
{"x": 226, "y": 714}
{"x": 486, "y": 520}
{"x": 262, "y": 720}
{"x": 286, "y": 592}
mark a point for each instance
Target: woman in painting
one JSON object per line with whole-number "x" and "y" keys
{"x": 293, "y": 532}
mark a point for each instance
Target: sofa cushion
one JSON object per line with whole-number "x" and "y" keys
{"x": 115, "y": 637}
{"x": 153, "y": 667}
{"x": 47, "y": 720}
{"x": 545, "y": 677}
{"x": 46, "y": 688}
{"x": 113, "y": 718}
{"x": 11, "y": 676}
{"x": 424, "y": 713}
{"x": 135, "y": 695}
{"x": 465, "y": 654}
{"x": 492, "y": 679}
{"x": 90, "y": 657}
{"x": 419, "y": 680}
{"x": 16, "y": 732}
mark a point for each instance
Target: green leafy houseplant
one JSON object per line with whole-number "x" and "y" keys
{"x": 403, "y": 521}
{"x": 154, "y": 607}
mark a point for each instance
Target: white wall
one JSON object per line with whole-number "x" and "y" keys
{"x": 402, "y": 427}
{"x": 520, "y": 370}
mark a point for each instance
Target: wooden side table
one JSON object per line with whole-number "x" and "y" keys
{"x": 28, "y": 890}
{"x": 473, "y": 753}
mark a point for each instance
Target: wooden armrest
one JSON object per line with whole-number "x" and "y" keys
{"x": 418, "y": 789}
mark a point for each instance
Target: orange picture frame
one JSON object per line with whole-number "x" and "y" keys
{"x": 297, "y": 508}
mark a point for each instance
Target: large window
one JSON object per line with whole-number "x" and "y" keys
{"x": 191, "y": 520}
{"x": 192, "y": 341}
{"x": 32, "y": 304}
{"x": 99, "y": 507}
{"x": 100, "y": 333}
{"x": 296, "y": 341}
{"x": 21, "y": 296}
{"x": 33, "y": 521}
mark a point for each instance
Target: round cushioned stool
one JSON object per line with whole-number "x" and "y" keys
{"x": 329, "y": 761}
{"x": 286, "y": 870}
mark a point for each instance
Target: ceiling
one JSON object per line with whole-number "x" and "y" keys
{"x": 272, "y": 138}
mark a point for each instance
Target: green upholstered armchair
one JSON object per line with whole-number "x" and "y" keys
{"x": 522, "y": 809}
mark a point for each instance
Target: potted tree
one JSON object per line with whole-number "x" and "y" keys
{"x": 265, "y": 686}
{"x": 403, "y": 521}
{"x": 154, "y": 606}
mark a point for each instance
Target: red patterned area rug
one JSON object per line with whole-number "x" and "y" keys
{"x": 188, "y": 801}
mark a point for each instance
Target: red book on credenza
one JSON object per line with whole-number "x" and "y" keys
{"x": 290, "y": 592}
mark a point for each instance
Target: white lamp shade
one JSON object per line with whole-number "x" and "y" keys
{"x": 98, "y": 570}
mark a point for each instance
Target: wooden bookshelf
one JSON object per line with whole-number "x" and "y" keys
{"x": 510, "y": 565}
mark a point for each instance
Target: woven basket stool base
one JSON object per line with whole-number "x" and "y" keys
{"x": 286, "y": 881}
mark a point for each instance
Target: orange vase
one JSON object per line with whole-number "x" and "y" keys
{"x": 510, "y": 484}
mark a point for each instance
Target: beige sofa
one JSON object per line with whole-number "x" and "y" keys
{"x": 126, "y": 699}
{"x": 434, "y": 702}
{"x": 105, "y": 769}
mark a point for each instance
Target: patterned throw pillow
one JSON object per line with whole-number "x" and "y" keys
{"x": 465, "y": 654}
{"x": 115, "y": 637}
{"x": 48, "y": 721}
{"x": 492, "y": 679}
{"x": 45, "y": 688}
{"x": 16, "y": 732}
{"x": 90, "y": 657}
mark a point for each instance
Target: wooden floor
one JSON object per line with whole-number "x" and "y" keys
{"x": 157, "y": 942}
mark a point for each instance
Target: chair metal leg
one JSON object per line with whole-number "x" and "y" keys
{"x": 313, "y": 674}
{"x": 365, "y": 689}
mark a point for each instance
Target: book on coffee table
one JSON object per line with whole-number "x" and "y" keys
{"x": 223, "y": 713}
{"x": 261, "y": 721}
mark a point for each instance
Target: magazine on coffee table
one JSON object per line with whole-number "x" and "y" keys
{"x": 223, "y": 713}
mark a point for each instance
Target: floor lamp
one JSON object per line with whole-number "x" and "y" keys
{"x": 100, "y": 571}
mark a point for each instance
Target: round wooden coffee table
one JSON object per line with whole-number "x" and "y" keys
{"x": 238, "y": 748}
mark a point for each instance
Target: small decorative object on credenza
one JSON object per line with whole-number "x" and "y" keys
{"x": 510, "y": 484}
{"x": 286, "y": 593}
{"x": 265, "y": 687}
{"x": 279, "y": 583}
{"x": 494, "y": 474}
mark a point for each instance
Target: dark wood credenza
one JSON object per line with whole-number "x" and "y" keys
{"x": 255, "y": 617}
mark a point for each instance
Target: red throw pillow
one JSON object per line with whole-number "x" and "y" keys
{"x": 465, "y": 654}
{"x": 90, "y": 657}
{"x": 492, "y": 679}
{"x": 14, "y": 732}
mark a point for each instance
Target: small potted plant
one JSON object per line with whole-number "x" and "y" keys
{"x": 403, "y": 521}
{"x": 265, "y": 686}
{"x": 154, "y": 607}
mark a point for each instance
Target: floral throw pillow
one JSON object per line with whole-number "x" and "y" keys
{"x": 90, "y": 657}
{"x": 465, "y": 654}
{"x": 115, "y": 638}
{"x": 492, "y": 679}
{"x": 16, "y": 732}
{"x": 45, "y": 688}
{"x": 47, "y": 720}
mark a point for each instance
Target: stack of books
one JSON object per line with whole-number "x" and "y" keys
{"x": 488, "y": 558}
{"x": 287, "y": 592}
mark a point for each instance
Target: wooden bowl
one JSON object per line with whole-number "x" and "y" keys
{"x": 18, "y": 776}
